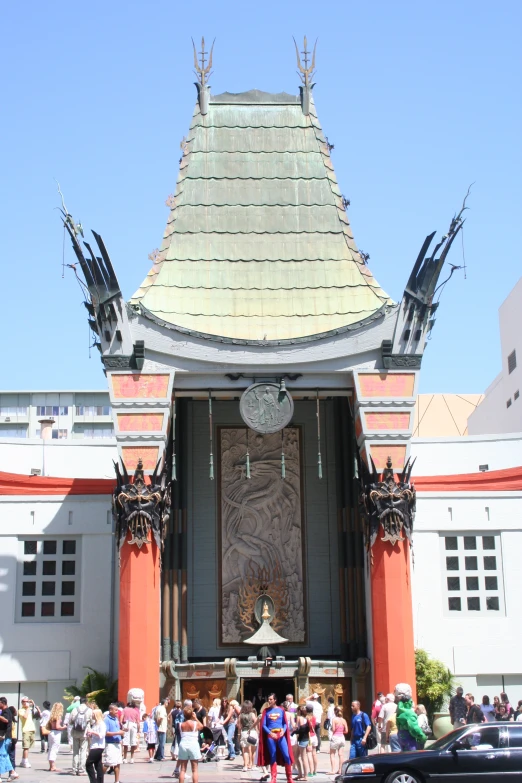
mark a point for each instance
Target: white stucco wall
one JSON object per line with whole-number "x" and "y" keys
{"x": 483, "y": 651}
{"x": 493, "y": 415}
{"x": 447, "y": 456}
{"x": 59, "y": 458}
{"x": 47, "y": 656}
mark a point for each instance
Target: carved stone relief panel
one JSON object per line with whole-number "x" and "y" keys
{"x": 261, "y": 532}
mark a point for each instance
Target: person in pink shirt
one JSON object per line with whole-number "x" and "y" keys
{"x": 374, "y": 717}
{"x": 131, "y": 724}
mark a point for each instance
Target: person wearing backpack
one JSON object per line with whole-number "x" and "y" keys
{"x": 80, "y": 721}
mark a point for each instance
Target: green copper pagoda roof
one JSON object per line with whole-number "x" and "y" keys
{"x": 258, "y": 245}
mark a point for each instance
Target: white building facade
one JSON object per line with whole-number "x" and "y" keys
{"x": 59, "y": 578}
{"x": 501, "y": 409}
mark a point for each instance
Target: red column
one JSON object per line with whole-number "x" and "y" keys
{"x": 392, "y": 616}
{"x": 139, "y": 638}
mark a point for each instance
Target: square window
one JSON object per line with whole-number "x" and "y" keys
{"x": 48, "y": 588}
{"x": 474, "y": 604}
{"x": 28, "y": 609}
{"x": 451, "y": 542}
{"x": 30, "y": 547}
{"x": 491, "y": 583}
{"x": 454, "y": 604}
{"x": 488, "y": 542}
{"x": 68, "y": 567}
{"x": 452, "y": 564}
{"x": 67, "y": 608}
{"x": 472, "y": 583}
{"x": 30, "y": 568}
{"x": 69, "y": 547}
{"x": 490, "y": 563}
{"x": 492, "y": 603}
{"x": 47, "y": 608}
{"x": 67, "y": 588}
{"x": 29, "y": 588}
{"x": 49, "y": 547}
{"x": 453, "y": 583}
{"x": 471, "y": 563}
{"x": 49, "y": 567}
{"x": 470, "y": 542}
{"x": 508, "y": 403}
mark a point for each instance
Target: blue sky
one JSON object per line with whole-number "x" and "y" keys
{"x": 420, "y": 98}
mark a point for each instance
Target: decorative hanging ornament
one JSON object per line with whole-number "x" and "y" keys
{"x": 210, "y": 424}
{"x": 266, "y": 407}
{"x": 247, "y": 458}
{"x": 319, "y": 458}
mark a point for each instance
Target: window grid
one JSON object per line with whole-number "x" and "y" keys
{"x": 472, "y": 569}
{"x": 48, "y": 580}
{"x": 52, "y": 410}
{"x": 512, "y": 361}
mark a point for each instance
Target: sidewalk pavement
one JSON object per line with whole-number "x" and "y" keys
{"x": 143, "y": 772}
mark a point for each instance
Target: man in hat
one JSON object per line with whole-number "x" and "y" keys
{"x": 458, "y": 709}
{"x": 274, "y": 741}
{"x": 28, "y": 712}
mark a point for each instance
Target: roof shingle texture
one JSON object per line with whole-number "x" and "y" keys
{"x": 258, "y": 245}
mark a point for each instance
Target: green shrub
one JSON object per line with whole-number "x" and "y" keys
{"x": 435, "y": 682}
{"x": 96, "y": 686}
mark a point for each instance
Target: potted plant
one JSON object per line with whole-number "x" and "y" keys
{"x": 435, "y": 686}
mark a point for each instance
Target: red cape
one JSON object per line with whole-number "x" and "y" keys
{"x": 262, "y": 753}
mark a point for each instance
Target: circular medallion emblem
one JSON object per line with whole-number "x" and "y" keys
{"x": 266, "y": 408}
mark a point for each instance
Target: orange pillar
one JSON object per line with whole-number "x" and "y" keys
{"x": 392, "y": 616}
{"x": 139, "y": 639}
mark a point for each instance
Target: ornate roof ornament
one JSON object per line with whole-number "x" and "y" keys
{"x": 387, "y": 503}
{"x": 139, "y": 508}
{"x": 306, "y": 72}
{"x": 203, "y": 73}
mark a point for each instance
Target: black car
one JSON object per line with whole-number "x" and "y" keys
{"x": 488, "y": 752}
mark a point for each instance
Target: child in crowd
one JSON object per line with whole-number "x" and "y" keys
{"x": 150, "y": 732}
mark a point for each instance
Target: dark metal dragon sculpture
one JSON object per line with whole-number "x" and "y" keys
{"x": 139, "y": 508}
{"x": 387, "y": 503}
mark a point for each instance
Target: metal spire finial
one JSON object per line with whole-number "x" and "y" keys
{"x": 202, "y": 70}
{"x": 307, "y": 72}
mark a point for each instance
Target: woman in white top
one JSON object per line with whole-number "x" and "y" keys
{"x": 213, "y": 714}
{"x": 96, "y": 737}
{"x": 488, "y": 709}
{"x": 55, "y": 727}
{"x": 189, "y": 745}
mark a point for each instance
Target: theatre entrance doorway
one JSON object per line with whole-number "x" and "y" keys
{"x": 257, "y": 689}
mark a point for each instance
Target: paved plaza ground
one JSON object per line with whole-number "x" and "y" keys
{"x": 141, "y": 770}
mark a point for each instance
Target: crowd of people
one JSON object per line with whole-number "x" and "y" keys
{"x": 463, "y": 709}
{"x": 259, "y": 731}
{"x": 101, "y": 742}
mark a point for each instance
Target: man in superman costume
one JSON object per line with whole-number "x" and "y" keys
{"x": 274, "y": 742}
